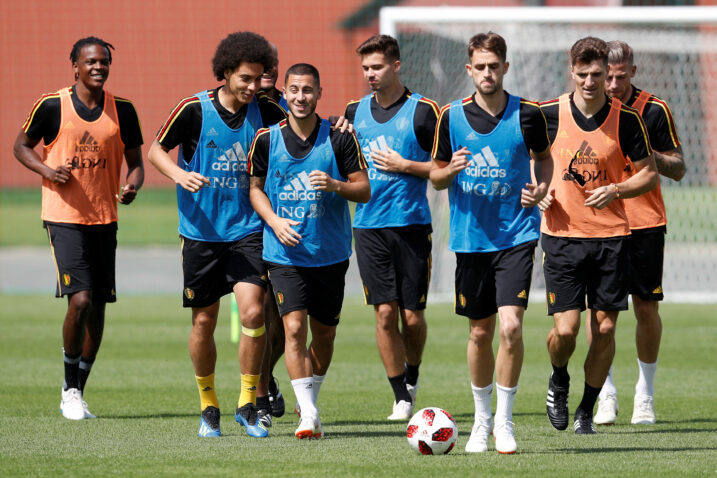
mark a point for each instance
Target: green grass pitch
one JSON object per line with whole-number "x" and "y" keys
{"x": 143, "y": 391}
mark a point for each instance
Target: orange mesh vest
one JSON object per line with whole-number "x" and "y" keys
{"x": 601, "y": 162}
{"x": 647, "y": 210}
{"x": 94, "y": 153}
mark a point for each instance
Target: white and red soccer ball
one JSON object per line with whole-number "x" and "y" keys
{"x": 432, "y": 431}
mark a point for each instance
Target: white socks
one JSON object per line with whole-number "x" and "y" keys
{"x": 646, "y": 380}
{"x": 504, "y": 405}
{"x": 318, "y": 380}
{"x": 482, "y": 399}
{"x": 608, "y": 387}
{"x": 304, "y": 391}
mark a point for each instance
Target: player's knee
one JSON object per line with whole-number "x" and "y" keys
{"x": 480, "y": 337}
{"x": 252, "y": 316}
{"x": 511, "y": 332}
{"x": 81, "y": 301}
{"x": 387, "y": 314}
{"x": 414, "y": 319}
{"x": 605, "y": 329}
{"x": 646, "y": 310}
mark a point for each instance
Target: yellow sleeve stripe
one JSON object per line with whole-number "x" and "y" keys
{"x": 670, "y": 119}
{"x": 34, "y": 109}
{"x": 174, "y": 115}
{"x": 438, "y": 128}
{"x": 645, "y": 135}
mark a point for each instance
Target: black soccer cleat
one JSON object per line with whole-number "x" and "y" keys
{"x": 278, "y": 407}
{"x": 557, "y": 405}
{"x": 583, "y": 423}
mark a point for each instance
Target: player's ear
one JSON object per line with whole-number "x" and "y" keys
{"x": 505, "y": 67}
{"x": 468, "y": 69}
{"x": 318, "y": 96}
{"x": 227, "y": 74}
{"x": 633, "y": 71}
{"x": 397, "y": 66}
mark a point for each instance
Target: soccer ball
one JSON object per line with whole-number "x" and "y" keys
{"x": 432, "y": 431}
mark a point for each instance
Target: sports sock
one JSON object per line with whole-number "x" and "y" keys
{"x": 318, "y": 381}
{"x": 398, "y": 384}
{"x": 304, "y": 392}
{"x": 590, "y": 395}
{"x": 504, "y": 403}
{"x": 248, "y": 389}
{"x": 84, "y": 372}
{"x": 646, "y": 380}
{"x": 72, "y": 371}
{"x": 262, "y": 403}
{"x": 481, "y": 399}
{"x": 412, "y": 374}
{"x": 608, "y": 388}
{"x": 207, "y": 395}
{"x": 561, "y": 378}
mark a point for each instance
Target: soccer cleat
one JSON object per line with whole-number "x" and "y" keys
{"x": 583, "y": 424}
{"x": 402, "y": 410}
{"x": 265, "y": 417}
{"x": 248, "y": 416}
{"x": 209, "y": 424}
{"x": 297, "y": 409}
{"x": 86, "y": 409}
{"x": 607, "y": 410}
{"x": 71, "y": 404}
{"x": 643, "y": 412}
{"x": 478, "y": 441}
{"x": 557, "y": 405}
{"x": 309, "y": 427}
{"x": 504, "y": 438}
{"x": 278, "y": 406}
{"x": 412, "y": 390}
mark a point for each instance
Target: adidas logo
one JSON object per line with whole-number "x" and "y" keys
{"x": 212, "y": 132}
{"x": 379, "y": 144}
{"x": 523, "y": 294}
{"x": 472, "y": 136}
{"x": 233, "y": 159}
{"x": 362, "y": 124}
{"x": 658, "y": 290}
{"x": 484, "y": 159}
{"x": 207, "y": 389}
{"x": 211, "y": 144}
{"x": 300, "y": 189}
{"x": 87, "y": 144}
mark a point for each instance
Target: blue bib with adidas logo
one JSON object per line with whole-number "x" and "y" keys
{"x": 396, "y": 199}
{"x": 486, "y": 214}
{"x": 220, "y": 211}
{"x": 325, "y": 222}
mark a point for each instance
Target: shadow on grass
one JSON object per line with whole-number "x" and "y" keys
{"x": 148, "y": 416}
{"x": 631, "y": 449}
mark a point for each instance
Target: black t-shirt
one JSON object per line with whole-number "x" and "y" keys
{"x": 345, "y": 145}
{"x": 424, "y": 120}
{"x": 659, "y": 122}
{"x": 532, "y": 124}
{"x": 43, "y": 122}
{"x": 184, "y": 125}
{"x": 634, "y": 142}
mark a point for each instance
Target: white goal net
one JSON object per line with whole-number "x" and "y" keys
{"x": 676, "y": 57}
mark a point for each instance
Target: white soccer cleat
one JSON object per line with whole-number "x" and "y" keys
{"x": 504, "y": 438}
{"x": 412, "y": 390}
{"x": 607, "y": 410}
{"x": 309, "y": 427}
{"x": 88, "y": 413}
{"x": 402, "y": 410}
{"x": 643, "y": 412}
{"x": 478, "y": 441}
{"x": 71, "y": 404}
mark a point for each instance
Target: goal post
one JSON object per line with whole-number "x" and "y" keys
{"x": 676, "y": 57}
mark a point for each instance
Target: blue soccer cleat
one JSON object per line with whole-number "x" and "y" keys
{"x": 248, "y": 416}
{"x": 209, "y": 425}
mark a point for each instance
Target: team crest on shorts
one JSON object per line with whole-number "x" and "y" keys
{"x": 551, "y": 298}
{"x": 189, "y": 293}
{"x": 66, "y": 279}
{"x": 462, "y": 300}
{"x": 280, "y": 298}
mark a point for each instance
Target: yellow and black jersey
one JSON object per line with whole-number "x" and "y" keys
{"x": 658, "y": 120}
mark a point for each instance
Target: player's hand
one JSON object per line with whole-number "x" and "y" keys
{"x": 459, "y": 161}
{"x": 341, "y": 123}
{"x": 532, "y": 194}
{"x": 284, "y": 231}
{"x": 545, "y": 203}
{"x": 321, "y": 181}
{"x": 192, "y": 181}
{"x": 127, "y": 194}
{"x": 389, "y": 160}
{"x": 60, "y": 175}
{"x": 599, "y": 198}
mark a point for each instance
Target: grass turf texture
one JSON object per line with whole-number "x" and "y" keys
{"x": 152, "y": 218}
{"x": 143, "y": 390}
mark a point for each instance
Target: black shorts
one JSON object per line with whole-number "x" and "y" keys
{"x": 84, "y": 259}
{"x": 395, "y": 264}
{"x": 575, "y": 268}
{"x": 211, "y": 269}
{"x": 319, "y": 290}
{"x": 647, "y": 256}
{"x": 488, "y": 280}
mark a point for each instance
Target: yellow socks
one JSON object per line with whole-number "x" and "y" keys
{"x": 207, "y": 395}
{"x": 248, "y": 389}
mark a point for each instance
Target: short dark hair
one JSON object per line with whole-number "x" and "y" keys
{"x": 490, "y": 41}
{"x": 303, "y": 69}
{"x": 385, "y": 44}
{"x": 241, "y": 47}
{"x": 588, "y": 49}
{"x": 619, "y": 52}
{"x": 83, "y": 42}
